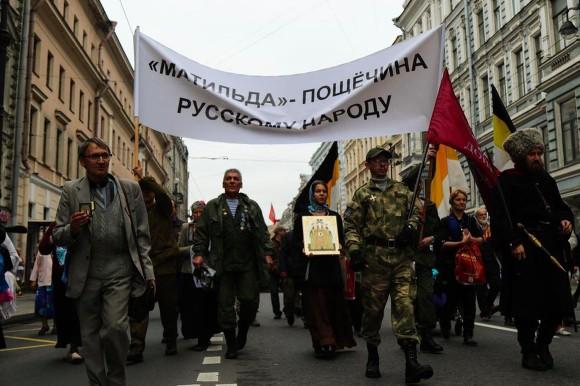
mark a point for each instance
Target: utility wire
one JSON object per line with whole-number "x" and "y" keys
{"x": 125, "y": 13}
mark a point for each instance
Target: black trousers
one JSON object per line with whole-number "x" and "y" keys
{"x": 527, "y": 332}
{"x": 460, "y": 297}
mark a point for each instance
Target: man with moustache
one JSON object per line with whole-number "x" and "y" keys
{"x": 233, "y": 239}
{"x": 539, "y": 290}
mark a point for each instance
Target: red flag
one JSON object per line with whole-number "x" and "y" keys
{"x": 272, "y": 215}
{"x": 450, "y": 127}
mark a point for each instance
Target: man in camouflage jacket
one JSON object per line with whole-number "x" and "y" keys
{"x": 380, "y": 242}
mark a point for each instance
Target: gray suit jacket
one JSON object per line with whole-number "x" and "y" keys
{"x": 79, "y": 247}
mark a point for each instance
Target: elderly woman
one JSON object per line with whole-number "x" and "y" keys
{"x": 487, "y": 293}
{"x": 196, "y": 304}
{"x": 455, "y": 231}
{"x": 325, "y": 310}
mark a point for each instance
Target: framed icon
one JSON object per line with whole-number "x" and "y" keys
{"x": 320, "y": 235}
{"x": 87, "y": 207}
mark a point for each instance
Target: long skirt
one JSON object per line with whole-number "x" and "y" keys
{"x": 44, "y": 302}
{"x": 327, "y": 317}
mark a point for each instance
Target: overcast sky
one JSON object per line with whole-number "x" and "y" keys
{"x": 260, "y": 37}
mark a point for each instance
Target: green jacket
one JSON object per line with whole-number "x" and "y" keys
{"x": 210, "y": 235}
{"x": 374, "y": 214}
{"x": 164, "y": 251}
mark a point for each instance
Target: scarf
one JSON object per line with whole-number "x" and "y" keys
{"x": 314, "y": 207}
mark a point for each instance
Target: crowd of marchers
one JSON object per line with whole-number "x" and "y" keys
{"x": 116, "y": 248}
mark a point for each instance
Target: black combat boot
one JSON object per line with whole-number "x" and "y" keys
{"x": 232, "y": 349}
{"x": 428, "y": 344}
{"x": 372, "y": 370}
{"x": 531, "y": 360}
{"x": 243, "y": 328}
{"x": 414, "y": 371}
{"x": 546, "y": 356}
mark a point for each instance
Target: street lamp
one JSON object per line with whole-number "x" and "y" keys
{"x": 568, "y": 28}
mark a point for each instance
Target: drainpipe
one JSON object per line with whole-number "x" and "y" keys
{"x": 110, "y": 29}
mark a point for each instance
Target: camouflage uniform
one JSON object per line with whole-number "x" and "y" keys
{"x": 372, "y": 221}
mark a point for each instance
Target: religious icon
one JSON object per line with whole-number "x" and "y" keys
{"x": 320, "y": 235}
{"x": 87, "y": 207}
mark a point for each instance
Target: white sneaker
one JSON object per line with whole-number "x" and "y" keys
{"x": 563, "y": 332}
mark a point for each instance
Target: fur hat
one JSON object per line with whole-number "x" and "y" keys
{"x": 521, "y": 142}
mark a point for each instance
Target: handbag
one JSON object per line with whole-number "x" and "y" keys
{"x": 469, "y": 267}
{"x": 139, "y": 306}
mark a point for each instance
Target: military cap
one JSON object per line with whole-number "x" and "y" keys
{"x": 377, "y": 151}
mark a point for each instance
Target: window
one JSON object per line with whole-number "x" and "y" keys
{"x": 560, "y": 17}
{"x": 453, "y": 43}
{"x": 31, "y": 209}
{"x": 45, "y": 141}
{"x": 544, "y": 130}
{"x": 84, "y": 40}
{"x": 46, "y": 213}
{"x": 496, "y": 14}
{"x": 70, "y": 160}
{"x": 32, "y": 130}
{"x": 570, "y": 135}
{"x": 49, "y": 65}
{"x": 72, "y": 92}
{"x": 520, "y": 72}
{"x": 65, "y": 11}
{"x": 59, "y": 150}
{"x": 89, "y": 111}
{"x": 35, "y": 54}
{"x": 538, "y": 56}
{"x": 61, "y": 77}
{"x": 485, "y": 96}
{"x": 481, "y": 27}
{"x": 81, "y": 106}
{"x": 75, "y": 26}
{"x": 501, "y": 84}
{"x": 92, "y": 51}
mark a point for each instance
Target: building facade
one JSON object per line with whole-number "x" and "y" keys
{"x": 78, "y": 84}
{"x": 519, "y": 46}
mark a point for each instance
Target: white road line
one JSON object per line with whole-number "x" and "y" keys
{"x": 208, "y": 377}
{"x": 495, "y": 327}
{"x": 226, "y": 384}
{"x": 212, "y": 360}
{"x": 217, "y": 339}
{"x": 197, "y": 384}
{"x": 216, "y": 347}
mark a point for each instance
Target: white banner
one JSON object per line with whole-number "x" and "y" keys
{"x": 389, "y": 92}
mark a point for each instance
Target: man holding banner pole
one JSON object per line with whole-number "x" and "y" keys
{"x": 380, "y": 237}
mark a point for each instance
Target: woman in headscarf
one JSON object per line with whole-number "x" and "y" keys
{"x": 487, "y": 293}
{"x": 326, "y": 310}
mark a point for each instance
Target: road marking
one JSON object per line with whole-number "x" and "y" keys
{"x": 23, "y": 330}
{"x": 217, "y": 339}
{"x": 208, "y": 377}
{"x": 217, "y": 347}
{"x": 226, "y": 384}
{"x": 27, "y": 347}
{"x": 495, "y": 327}
{"x": 212, "y": 360}
{"x": 31, "y": 339}
{"x": 197, "y": 384}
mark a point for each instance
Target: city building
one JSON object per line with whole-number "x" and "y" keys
{"x": 78, "y": 83}
{"x": 530, "y": 51}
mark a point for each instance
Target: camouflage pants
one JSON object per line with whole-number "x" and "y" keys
{"x": 379, "y": 281}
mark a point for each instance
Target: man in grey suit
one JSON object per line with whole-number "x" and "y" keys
{"x": 102, "y": 221}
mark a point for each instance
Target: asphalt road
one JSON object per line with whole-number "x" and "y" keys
{"x": 277, "y": 354}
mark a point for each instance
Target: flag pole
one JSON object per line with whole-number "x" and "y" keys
{"x": 416, "y": 188}
{"x": 427, "y": 199}
{"x": 136, "y": 143}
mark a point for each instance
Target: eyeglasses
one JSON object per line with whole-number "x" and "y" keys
{"x": 98, "y": 156}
